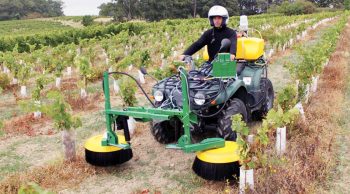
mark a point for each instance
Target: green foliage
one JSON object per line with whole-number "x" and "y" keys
{"x": 347, "y": 4}
{"x": 273, "y": 120}
{"x": 87, "y": 20}
{"x": 280, "y": 118}
{"x": 90, "y": 51}
{"x": 263, "y": 133}
{"x": 161, "y": 73}
{"x": 85, "y": 70}
{"x": 1, "y": 124}
{"x": 106, "y": 9}
{"x": 296, "y": 8}
{"x": 149, "y": 34}
{"x": 32, "y": 188}
{"x": 39, "y": 86}
{"x": 70, "y": 55}
{"x": 58, "y": 67}
{"x": 23, "y": 28}
{"x": 126, "y": 61}
{"x": 10, "y": 62}
{"x": 59, "y": 60}
{"x": 313, "y": 57}
{"x": 127, "y": 90}
{"x": 55, "y": 38}
{"x": 145, "y": 58}
{"x": 34, "y": 103}
{"x": 58, "y": 110}
{"x": 169, "y": 70}
{"x": 310, "y": 64}
{"x": 24, "y": 74}
{"x": 245, "y": 152}
{"x": 252, "y": 154}
{"x": 278, "y": 36}
{"x": 4, "y": 80}
{"x": 287, "y": 97}
{"x": 96, "y": 73}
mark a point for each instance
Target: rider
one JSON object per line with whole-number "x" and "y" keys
{"x": 218, "y": 18}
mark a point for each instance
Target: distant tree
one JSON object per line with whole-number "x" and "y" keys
{"x": 347, "y": 4}
{"x": 203, "y": 6}
{"x": 297, "y": 7}
{"x": 248, "y": 7}
{"x": 107, "y": 9}
{"x": 17, "y": 9}
{"x": 157, "y": 10}
{"x": 87, "y": 20}
{"x": 121, "y": 10}
{"x": 152, "y": 10}
{"x": 54, "y": 8}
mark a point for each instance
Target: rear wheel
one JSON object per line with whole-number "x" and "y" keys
{"x": 267, "y": 88}
{"x": 233, "y": 107}
{"x": 165, "y": 132}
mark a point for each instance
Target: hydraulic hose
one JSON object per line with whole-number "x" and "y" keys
{"x": 138, "y": 84}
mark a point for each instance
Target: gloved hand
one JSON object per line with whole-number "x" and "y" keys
{"x": 182, "y": 57}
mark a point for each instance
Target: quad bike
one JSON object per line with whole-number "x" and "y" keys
{"x": 194, "y": 102}
{"x": 216, "y": 91}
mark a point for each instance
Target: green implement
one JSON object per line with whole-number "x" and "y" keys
{"x": 144, "y": 114}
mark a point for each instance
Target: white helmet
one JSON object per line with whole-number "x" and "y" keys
{"x": 218, "y": 10}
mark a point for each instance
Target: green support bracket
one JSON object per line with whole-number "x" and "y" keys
{"x": 109, "y": 138}
{"x": 209, "y": 143}
{"x": 184, "y": 143}
{"x": 122, "y": 146}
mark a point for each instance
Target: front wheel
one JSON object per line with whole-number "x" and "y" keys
{"x": 233, "y": 107}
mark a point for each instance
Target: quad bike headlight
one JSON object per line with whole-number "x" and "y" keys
{"x": 199, "y": 99}
{"x": 158, "y": 96}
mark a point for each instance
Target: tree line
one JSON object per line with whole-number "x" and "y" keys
{"x": 20, "y": 9}
{"x": 124, "y": 10}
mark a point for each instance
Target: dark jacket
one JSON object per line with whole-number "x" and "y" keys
{"x": 212, "y": 38}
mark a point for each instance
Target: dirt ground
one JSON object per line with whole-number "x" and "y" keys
{"x": 70, "y": 23}
{"x": 153, "y": 168}
{"x": 339, "y": 182}
{"x": 103, "y": 20}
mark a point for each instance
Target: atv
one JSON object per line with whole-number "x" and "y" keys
{"x": 217, "y": 90}
{"x": 193, "y": 103}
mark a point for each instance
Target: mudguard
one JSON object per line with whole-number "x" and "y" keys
{"x": 230, "y": 91}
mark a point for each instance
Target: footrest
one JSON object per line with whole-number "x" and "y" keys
{"x": 206, "y": 144}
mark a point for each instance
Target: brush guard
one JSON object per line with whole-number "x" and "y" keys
{"x": 143, "y": 114}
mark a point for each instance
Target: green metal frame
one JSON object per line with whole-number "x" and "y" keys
{"x": 147, "y": 114}
{"x": 224, "y": 67}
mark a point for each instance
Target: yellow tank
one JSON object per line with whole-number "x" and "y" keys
{"x": 205, "y": 53}
{"x": 249, "y": 48}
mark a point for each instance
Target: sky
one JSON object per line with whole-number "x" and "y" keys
{"x": 82, "y": 7}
